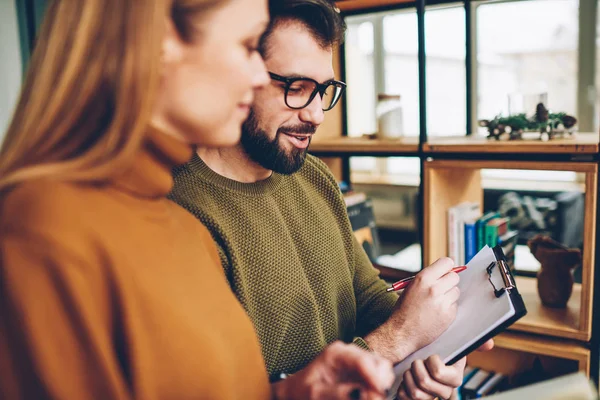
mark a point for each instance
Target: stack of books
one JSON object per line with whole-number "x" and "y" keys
{"x": 469, "y": 231}
{"x": 478, "y": 383}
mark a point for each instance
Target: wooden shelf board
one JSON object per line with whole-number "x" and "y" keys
{"x": 513, "y": 353}
{"x": 560, "y": 322}
{"x": 345, "y": 145}
{"x": 584, "y": 167}
{"x": 450, "y": 182}
{"x": 582, "y": 143}
{"x": 351, "y": 5}
{"x": 541, "y": 345}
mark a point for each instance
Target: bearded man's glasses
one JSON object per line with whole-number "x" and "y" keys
{"x": 300, "y": 92}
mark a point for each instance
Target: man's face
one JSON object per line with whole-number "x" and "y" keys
{"x": 276, "y": 136}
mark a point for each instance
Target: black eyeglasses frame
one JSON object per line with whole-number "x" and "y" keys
{"x": 319, "y": 88}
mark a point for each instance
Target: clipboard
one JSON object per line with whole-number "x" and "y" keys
{"x": 489, "y": 303}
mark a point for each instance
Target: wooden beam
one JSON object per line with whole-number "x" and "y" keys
{"x": 352, "y": 5}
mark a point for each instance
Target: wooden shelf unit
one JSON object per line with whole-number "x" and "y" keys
{"x": 515, "y": 352}
{"x": 582, "y": 143}
{"x": 560, "y": 322}
{"x": 450, "y": 182}
{"x": 359, "y": 145}
{"x": 558, "y": 337}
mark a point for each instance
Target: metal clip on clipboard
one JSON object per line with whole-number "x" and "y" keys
{"x": 509, "y": 282}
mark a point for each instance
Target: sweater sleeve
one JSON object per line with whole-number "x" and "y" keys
{"x": 373, "y": 303}
{"x": 55, "y": 324}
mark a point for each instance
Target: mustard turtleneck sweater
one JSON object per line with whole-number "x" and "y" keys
{"x": 114, "y": 292}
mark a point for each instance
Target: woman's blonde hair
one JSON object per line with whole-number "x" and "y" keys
{"x": 90, "y": 88}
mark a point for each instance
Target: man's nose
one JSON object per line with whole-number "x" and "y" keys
{"x": 313, "y": 112}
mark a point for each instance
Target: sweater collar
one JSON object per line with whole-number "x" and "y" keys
{"x": 150, "y": 173}
{"x": 199, "y": 168}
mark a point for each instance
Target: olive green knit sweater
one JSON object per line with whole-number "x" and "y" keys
{"x": 291, "y": 258}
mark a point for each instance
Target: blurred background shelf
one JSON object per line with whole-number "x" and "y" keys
{"x": 582, "y": 143}
{"x": 516, "y": 353}
{"x": 358, "y": 146}
{"x": 559, "y": 322}
{"x": 416, "y": 49}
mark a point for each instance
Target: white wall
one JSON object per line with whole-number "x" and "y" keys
{"x": 10, "y": 62}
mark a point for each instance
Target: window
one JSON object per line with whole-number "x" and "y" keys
{"x": 523, "y": 51}
{"x": 445, "y": 49}
{"x": 531, "y": 59}
{"x": 402, "y": 65}
{"x": 360, "y": 95}
{"x": 10, "y": 67}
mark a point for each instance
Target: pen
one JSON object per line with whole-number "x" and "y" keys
{"x": 403, "y": 283}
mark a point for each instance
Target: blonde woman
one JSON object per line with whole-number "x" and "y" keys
{"x": 107, "y": 289}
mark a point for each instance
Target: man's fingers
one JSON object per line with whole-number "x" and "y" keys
{"x": 368, "y": 369}
{"x": 446, "y": 375}
{"x": 452, "y": 295}
{"x": 447, "y": 283}
{"x": 411, "y": 390}
{"x": 487, "y": 346}
{"x": 427, "y": 383}
{"x": 438, "y": 269}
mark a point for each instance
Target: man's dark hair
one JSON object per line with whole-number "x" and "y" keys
{"x": 320, "y": 17}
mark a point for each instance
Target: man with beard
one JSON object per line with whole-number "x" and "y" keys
{"x": 281, "y": 227}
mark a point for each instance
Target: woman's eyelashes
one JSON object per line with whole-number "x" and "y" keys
{"x": 252, "y": 45}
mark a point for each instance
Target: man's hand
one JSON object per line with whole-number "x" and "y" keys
{"x": 341, "y": 371}
{"x": 426, "y": 380}
{"x": 425, "y": 310}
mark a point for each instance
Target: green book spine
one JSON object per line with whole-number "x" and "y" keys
{"x": 491, "y": 235}
{"x": 479, "y": 231}
{"x": 480, "y": 228}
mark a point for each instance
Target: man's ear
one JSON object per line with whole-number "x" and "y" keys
{"x": 173, "y": 46}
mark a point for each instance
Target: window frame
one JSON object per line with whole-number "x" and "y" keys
{"x": 587, "y": 18}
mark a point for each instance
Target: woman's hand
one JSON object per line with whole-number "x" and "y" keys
{"x": 341, "y": 371}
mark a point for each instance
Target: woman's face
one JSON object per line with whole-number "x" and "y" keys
{"x": 207, "y": 83}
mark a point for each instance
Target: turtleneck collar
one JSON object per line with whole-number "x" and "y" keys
{"x": 150, "y": 173}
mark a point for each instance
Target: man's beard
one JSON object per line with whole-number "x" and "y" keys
{"x": 269, "y": 154}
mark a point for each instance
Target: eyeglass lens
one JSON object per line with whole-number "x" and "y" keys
{"x": 299, "y": 94}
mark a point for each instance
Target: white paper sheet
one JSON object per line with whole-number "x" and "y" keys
{"x": 479, "y": 312}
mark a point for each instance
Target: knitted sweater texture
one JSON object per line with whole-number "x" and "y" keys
{"x": 291, "y": 258}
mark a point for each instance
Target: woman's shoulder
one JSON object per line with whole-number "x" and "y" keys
{"x": 46, "y": 204}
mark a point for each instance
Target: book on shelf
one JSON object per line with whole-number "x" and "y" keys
{"x": 352, "y": 198}
{"x": 480, "y": 227}
{"x": 362, "y": 219}
{"x": 469, "y": 232}
{"x": 469, "y": 388}
{"x": 467, "y": 374}
{"x": 492, "y": 385}
{"x": 495, "y": 228}
{"x": 457, "y": 216}
{"x": 480, "y": 383}
{"x": 508, "y": 242}
{"x": 470, "y": 239}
